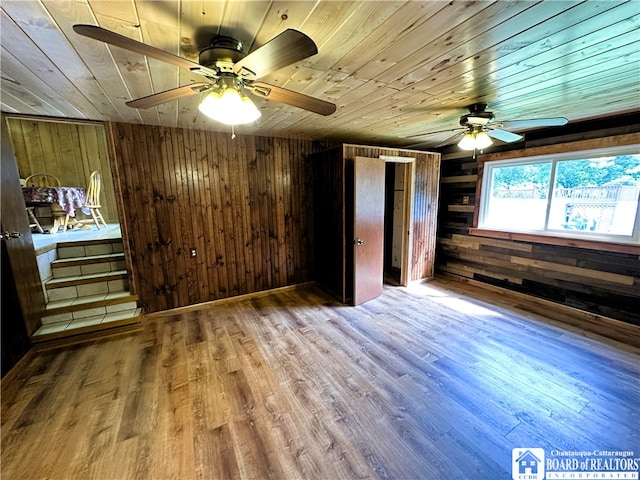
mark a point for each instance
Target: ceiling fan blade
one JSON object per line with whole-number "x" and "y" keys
{"x": 428, "y": 134}
{"x": 289, "y": 47}
{"x": 534, "y": 122}
{"x": 450, "y": 139}
{"x": 169, "y": 95}
{"x": 115, "y": 39}
{"x": 292, "y": 98}
{"x": 503, "y": 135}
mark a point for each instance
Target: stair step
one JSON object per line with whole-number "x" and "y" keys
{"x": 85, "y": 279}
{"x": 88, "y": 295}
{"x": 97, "y": 323}
{"x": 70, "y": 288}
{"x": 73, "y": 267}
{"x": 80, "y": 307}
{"x": 72, "y": 262}
{"x": 81, "y": 249}
{"x": 97, "y": 241}
{"x": 88, "y": 312}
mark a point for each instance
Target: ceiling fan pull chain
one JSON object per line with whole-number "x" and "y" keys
{"x": 233, "y": 132}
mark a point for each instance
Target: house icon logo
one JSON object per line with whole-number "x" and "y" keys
{"x": 527, "y": 464}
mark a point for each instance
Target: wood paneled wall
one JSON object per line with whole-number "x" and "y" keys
{"x": 597, "y": 281}
{"x": 243, "y": 204}
{"x": 329, "y": 221}
{"x": 68, "y": 150}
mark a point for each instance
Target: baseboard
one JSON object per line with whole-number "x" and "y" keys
{"x": 221, "y": 301}
{"x": 18, "y": 367}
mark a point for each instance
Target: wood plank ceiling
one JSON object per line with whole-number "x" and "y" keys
{"x": 397, "y": 71}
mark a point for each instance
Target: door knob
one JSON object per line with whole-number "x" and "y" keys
{"x": 7, "y": 235}
{"x": 358, "y": 241}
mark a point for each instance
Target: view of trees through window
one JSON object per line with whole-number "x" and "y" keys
{"x": 597, "y": 196}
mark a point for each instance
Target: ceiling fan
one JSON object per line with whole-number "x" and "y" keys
{"x": 478, "y": 127}
{"x": 228, "y": 73}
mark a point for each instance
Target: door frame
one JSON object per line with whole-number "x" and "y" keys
{"x": 407, "y": 240}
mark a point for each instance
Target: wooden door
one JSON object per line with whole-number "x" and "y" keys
{"x": 368, "y": 228}
{"x": 19, "y": 244}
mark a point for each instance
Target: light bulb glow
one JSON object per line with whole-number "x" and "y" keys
{"x": 482, "y": 140}
{"x": 230, "y": 107}
{"x": 475, "y": 141}
{"x": 468, "y": 142}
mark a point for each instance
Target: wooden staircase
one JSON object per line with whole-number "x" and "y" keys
{"x": 88, "y": 291}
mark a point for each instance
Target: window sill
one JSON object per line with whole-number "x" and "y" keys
{"x": 561, "y": 241}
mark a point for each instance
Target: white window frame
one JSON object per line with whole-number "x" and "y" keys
{"x": 485, "y": 193}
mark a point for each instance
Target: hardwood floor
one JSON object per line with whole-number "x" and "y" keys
{"x": 421, "y": 383}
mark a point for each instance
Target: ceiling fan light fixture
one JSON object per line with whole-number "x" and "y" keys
{"x": 468, "y": 142}
{"x": 475, "y": 140}
{"x": 229, "y": 106}
{"x": 482, "y": 140}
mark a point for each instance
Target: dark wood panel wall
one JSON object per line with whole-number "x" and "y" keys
{"x": 68, "y": 150}
{"x": 597, "y": 281}
{"x": 329, "y": 221}
{"x": 243, "y": 204}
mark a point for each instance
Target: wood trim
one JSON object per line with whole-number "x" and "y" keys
{"x": 590, "y": 144}
{"x": 118, "y": 182}
{"x": 478, "y": 200}
{"x": 19, "y": 367}
{"x": 392, "y": 151}
{"x": 564, "y": 242}
{"x": 223, "y": 301}
{"x": 461, "y": 208}
{"x": 459, "y": 179}
{"x": 407, "y": 240}
{"x": 44, "y": 118}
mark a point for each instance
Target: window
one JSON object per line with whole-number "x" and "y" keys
{"x": 591, "y": 195}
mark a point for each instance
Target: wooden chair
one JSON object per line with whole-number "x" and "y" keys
{"x": 39, "y": 180}
{"x": 42, "y": 180}
{"x": 33, "y": 220}
{"x": 92, "y": 200}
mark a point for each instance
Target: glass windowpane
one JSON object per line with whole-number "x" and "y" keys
{"x": 593, "y": 197}
{"x": 518, "y": 197}
{"x": 598, "y": 195}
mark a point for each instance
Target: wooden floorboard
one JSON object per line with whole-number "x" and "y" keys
{"x": 427, "y": 382}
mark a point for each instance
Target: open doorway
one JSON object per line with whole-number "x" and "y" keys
{"x": 66, "y": 153}
{"x": 373, "y": 210}
{"x": 80, "y": 272}
{"x": 398, "y": 202}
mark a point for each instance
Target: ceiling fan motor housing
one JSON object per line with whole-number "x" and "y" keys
{"x": 222, "y": 53}
{"x": 477, "y": 115}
